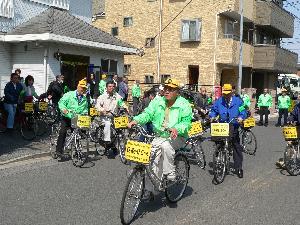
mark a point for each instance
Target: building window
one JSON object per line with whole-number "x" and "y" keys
{"x": 149, "y": 79}
{"x": 164, "y": 77}
{"x": 127, "y": 69}
{"x": 150, "y": 42}
{"x": 190, "y": 30}
{"x": 230, "y": 30}
{"x": 7, "y": 8}
{"x": 127, "y": 22}
{"x": 115, "y": 31}
{"x": 109, "y": 66}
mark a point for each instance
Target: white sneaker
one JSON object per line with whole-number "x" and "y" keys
{"x": 171, "y": 176}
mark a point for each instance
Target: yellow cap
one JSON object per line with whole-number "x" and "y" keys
{"x": 103, "y": 76}
{"x": 82, "y": 83}
{"x": 173, "y": 83}
{"x": 226, "y": 89}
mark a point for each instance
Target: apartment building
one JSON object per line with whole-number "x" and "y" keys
{"x": 198, "y": 41}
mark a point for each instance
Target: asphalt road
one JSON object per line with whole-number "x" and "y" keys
{"x": 48, "y": 192}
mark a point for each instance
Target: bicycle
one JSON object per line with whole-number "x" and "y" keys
{"x": 292, "y": 151}
{"x": 248, "y": 139}
{"x": 221, "y": 135}
{"x": 140, "y": 153}
{"x": 75, "y": 141}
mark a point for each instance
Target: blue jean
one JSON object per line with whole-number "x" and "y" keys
{"x": 11, "y": 110}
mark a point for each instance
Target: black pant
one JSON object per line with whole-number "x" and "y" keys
{"x": 65, "y": 125}
{"x": 237, "y": 149}
{"x": 264, "y": 111}
{"x": 283, "y": 112}
{"x": 135, "y": 105}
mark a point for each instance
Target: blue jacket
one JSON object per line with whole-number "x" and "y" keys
{"x": 295, "y": 114}
{"x": 12, "y": 94}
{"x": 226, "y": 113}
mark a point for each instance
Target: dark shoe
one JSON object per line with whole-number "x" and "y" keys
{"x": 277, "y": 125}
{"x": 148, "y": 196}
{"x": 260, "y": 124}
{"x": 240, "y": 173}
{"x": 265, "y": 124}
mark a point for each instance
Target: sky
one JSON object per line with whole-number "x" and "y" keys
{"x": 293, "y": 44}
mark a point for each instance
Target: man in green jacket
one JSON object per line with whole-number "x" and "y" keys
{"x": 246, "y": 102}
{"x": 136, "y": 94}
{"x": 284, "y": 102}
{"x": 264, "y": 103}
{"x": 102, "y": 84}
{"x": 171, "y": 117}
{"x": 71, "y": 104}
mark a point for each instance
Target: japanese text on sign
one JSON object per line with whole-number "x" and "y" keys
{"x": 290, "y": 132}
{"x": 28, "y": 107}
{"x": 138, "y": 152}
{"x": 43, "y": 106}
{"x": 93, "y": 112}
{"x": 84, "y": 121}
{"x": 250, "y": 122}
{"x": 195, "y": 129}
{"x": 219, "y": 129}
{"x": 121, "y": 122}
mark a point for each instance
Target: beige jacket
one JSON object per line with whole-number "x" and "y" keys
{"x": 106, "y": 102}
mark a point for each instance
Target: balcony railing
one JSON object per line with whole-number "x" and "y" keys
{"x": 274, "y": 58}
{"x": 63, "y": 4}
{"x": 7, "y": 8}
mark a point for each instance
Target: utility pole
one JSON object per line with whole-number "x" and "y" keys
{"x": 241, "y": 46}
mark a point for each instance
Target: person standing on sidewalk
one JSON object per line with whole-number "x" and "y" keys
{"x": 123, "y": 88}
{"x": 136, "y": 94}
{"x": 264, "y": 103}
{"x": 284, "y": 102}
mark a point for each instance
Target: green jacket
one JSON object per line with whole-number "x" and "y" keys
{"x": 284, "y": 102}
{"x": 136, "y": 91}
{"x": 102, "y": 86}
{"x": 265, "y": 100}
{"x": 70, "y": 102}
{"x": 180, "y": 116}
{"x": 246, "y": 100}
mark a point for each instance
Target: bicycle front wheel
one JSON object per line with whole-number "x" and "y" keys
{"x": 200, "y": 156}
{"x": 28, "y": 127}
{"x": 249, "y": 142}
{"x": 78, "y": 155}
{"x": 292, "y": 160}
{"x": 42, "y": 126}
{"x": 219, "y": 165}
{"x": 176, "y": 189}
{"x": 132, "y": 196}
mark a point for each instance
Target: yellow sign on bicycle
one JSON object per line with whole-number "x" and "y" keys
{"x": 219, "y": 129}
{"x": 195, "y": 129}
{"x": 84, "y": 121}
{"x": 290, "y": 132}
{"x": 121, "y": 122}
{"x": 93, "y": 112}
{"x": 138, "y": 152}
{"x": 250, "y": 122}
{"x": 43, "y": 106}
{"x": 28, "y": 107}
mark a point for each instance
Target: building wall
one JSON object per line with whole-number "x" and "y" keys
{"x": 175, "y": 56}
{"x": 5, "y": 65}
{"x": 25, "y": 9}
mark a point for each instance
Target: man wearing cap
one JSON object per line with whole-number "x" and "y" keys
{"x": 102, "y": 84}
{"x": 284, "y": 102}
{"x": 228, "y": 109}
{"x": 264, "y": 103}
{"x": 171, "y": 117}
{"x": 71, "y": 104}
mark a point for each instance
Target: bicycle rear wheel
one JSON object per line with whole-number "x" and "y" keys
{"x": 28, "y": 127}
{"x": 219, "y": 165}
{"x": 249, "y": 142}
{"x": 292, "y": 160}
{"x": 132, "y": 196}
{"x": 176, "y": 189}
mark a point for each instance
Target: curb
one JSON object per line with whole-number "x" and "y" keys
{"x": 25, "y": 158}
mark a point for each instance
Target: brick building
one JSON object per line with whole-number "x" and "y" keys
{"x": 199, "y": 42}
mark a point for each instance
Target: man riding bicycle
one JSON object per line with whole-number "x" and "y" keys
{"x": 171, "y": 116}
{"x": 109, "y": 102}
{"x": 72, "y": 103}
{"x": 228, "y": 108}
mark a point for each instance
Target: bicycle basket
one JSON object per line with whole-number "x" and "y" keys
{"x": 290, "y": 133}
{"x": 196, "y": 129}
{"x": 120, "y": 122}
{"x": 82, "y": 122}
{"x": 249, "y": 122}
{"x": 138, "y": 152}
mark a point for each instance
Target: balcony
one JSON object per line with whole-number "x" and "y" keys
{"x": 274, "y": 19}
{"x": 228, "y": 53}
{"x": 63, "y": 4}
{"x": 234, "y": 10}
{"x": 273, "y": 58}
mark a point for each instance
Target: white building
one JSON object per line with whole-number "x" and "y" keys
{"x": 48, "y": 37}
